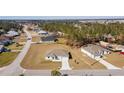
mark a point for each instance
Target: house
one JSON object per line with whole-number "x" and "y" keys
{"x": 59, "y": 55}
{"x": 109, "y": 37}
{"x": 5, "y": 40}
{"x": 49, "y": 39}
{"x": 12, "y": 33}
{"x": 42, "y": 33}
{"x": 113, "y": 47}
{"x": 104, "y": 44}
{"x": 94, "y": 51}
{"x": 120, "y": 48}
{"x": 1, "y": 48}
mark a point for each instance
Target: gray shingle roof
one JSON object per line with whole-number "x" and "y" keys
{"x": 48, "y": 38}
{"x": 95, "y": 49}
{"x": 58, "y": 52}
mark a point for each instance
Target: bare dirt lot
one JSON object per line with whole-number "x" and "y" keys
{"x": 21, "y": 38}
{"x": 36, "y": 39}
{"x": 35, "y": 59}
{"x": 116, "y": 59}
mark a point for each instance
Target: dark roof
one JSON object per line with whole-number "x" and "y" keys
{"x": 48, "y": 38}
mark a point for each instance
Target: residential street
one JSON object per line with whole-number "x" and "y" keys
{"x": 15, "y": 68}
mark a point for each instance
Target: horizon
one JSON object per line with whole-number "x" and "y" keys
{"x": 57, "y": 17}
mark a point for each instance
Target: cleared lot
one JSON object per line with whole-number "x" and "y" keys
{"x": 35, "y": 58}
{"x": 36, "y": 39}
{"x": 21, "y": 38}
{"x": 7, "y": 58}
{"x": 116, "y": 59}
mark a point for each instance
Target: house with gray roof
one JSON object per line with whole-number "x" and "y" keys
{"x": 12, "y": 33}
{"x": 49, "y": 39}
{"x": 94, "y": 51}
{"x": 43, "y": 33}
{"x": 59, "y": 55}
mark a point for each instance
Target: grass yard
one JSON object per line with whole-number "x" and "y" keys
{"x": 6, "y": 58}
{"x": 35, "y": 59}
{"x": 14, "y": 47}
{"x": 116, "y": 59}
{"x": 62, "y": 41}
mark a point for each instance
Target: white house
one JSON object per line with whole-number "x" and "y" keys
{"x": 104, "y": 44}
{"x": 94, "y": 51}
{"x": 120, "y": 48}
{"x": 12, "y": 33}
{"x": 43, "y": 33}
{"x": 59, "y": 55}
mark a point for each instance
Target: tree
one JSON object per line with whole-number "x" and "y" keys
{"x": 55, "y": 73}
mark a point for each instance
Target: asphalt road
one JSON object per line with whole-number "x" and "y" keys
{"x": 14, "y": 68}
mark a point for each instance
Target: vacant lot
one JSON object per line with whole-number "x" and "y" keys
{"x": 36, "y": 39}
{"x": 7, "y": 58}
{"x": 116, "y": 59}
{"x": 21, "y": 38}
{"x": 35, "y": 59}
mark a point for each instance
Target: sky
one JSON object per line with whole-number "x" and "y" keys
{"x": 60, "y": 17}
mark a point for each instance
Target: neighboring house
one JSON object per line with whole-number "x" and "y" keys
{"x": 1, "y": 48}
{"x": 94, "y": 51}
{"x": 113, "y": 47}
{"x": 119, "y": 48}
{"x": 48, "y": 39}
{"x": 109, "y": 37}
{"x": 104, "y": 44}
{"x": 59, "y": 55}
{"x": 12, "y": 33}
{"x": 42, "y": 33}
{"x": 5, "y": 40}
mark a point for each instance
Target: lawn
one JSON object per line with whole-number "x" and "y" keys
{"x": 6, "y": 58}
{"x": 35, "y": 58}
{"x": 14, "y": 47}
{"x": 62, "y": 41}
{"x": 116, "y": 59}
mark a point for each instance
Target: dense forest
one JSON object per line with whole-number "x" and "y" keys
{"x": 6, "y": 26}
{"x": 87, "y": 32}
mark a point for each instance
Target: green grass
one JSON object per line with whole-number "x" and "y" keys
{"x": 7, "y": 57}
{"x": 14, "y": 47}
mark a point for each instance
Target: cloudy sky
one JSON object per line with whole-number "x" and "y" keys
{"x": 60, "y": 17}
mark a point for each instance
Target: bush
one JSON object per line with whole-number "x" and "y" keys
{"x": 55, "y": 73}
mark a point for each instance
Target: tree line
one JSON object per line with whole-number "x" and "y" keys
{"x": 87, "y": 32}
{"x": 6, "y": 26}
